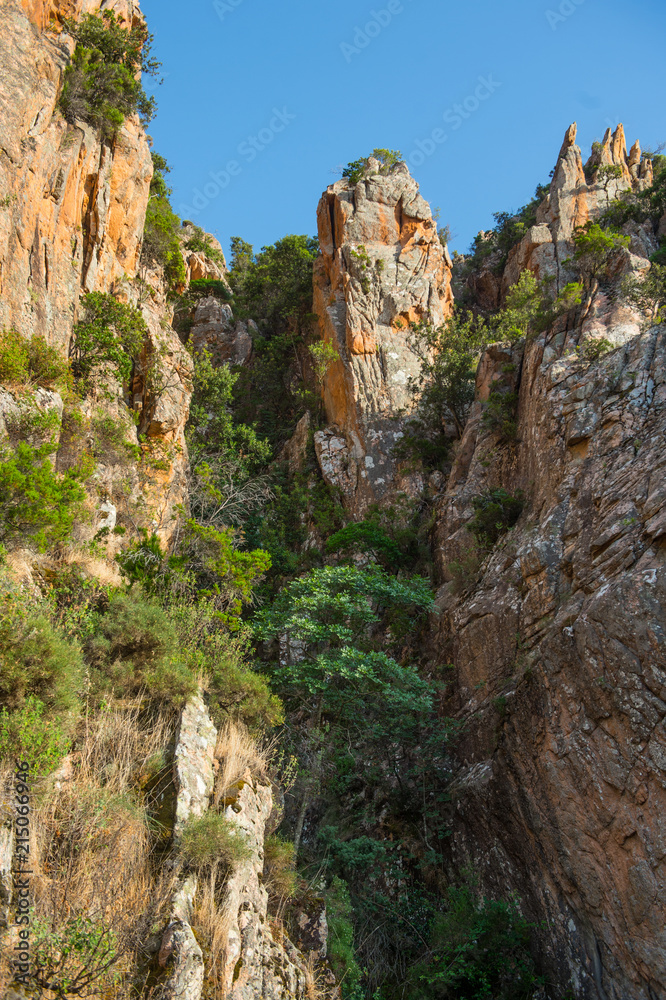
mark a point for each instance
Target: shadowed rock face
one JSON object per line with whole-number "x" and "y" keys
{"x": 382, "y": 268}
{"x": 557, "y": 638}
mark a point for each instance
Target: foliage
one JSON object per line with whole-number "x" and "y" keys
{"x": 509, "y": 229}
{"x": 648, "y": 293}
{"x": 36, "y": 502}
{"x": 595, "y": 248}
{"x": 530, "y": 310}
{"x": 497, "y": 510}
{"x": 464, "y": 571}
{"x": 161, "y": 246}
{"x": 387, "y": 159}
{"x": 201, "y": 242}
{"x": 102, "y": 84}
{"x": 322, "y": 355}
{"x": 449, "y": 355}
{"x": 273, "y": 287}
{"x": 649, "y": 204}
{"x": 280, "y": 876}
{"x": 211, "y": 840}
{"x": 31, "y": 362}
{"x": 108, "y": 339}
{"x": 36, "y": 661}
{"x": 212, "y": 429}
{"x": 135, "y": 649}
{"x": 74, "y": 959}
{"x": 341, "y": 939}
{"x": 26, "y": 734}
{"x": 500, "y": 413}
{"x": 479, "y": 951}
{"x": 203, "y": 287}
{"x": 366, "y": 536}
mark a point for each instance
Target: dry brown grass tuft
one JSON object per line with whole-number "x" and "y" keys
{"x": 238, "y": 752}
{"x": 212, "y": 924}
{"x": 93, "y": 853}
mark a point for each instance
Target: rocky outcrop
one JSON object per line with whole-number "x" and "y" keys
{"x": 214, "y": 329}
{"x": 579, "y": 194}
{"x": 72, "y": 208}
{"x": 381, "y": 269}
{"x": 560, "y": 671}
{"x": 258, "y": 958}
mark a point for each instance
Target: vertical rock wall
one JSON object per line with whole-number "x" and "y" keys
{"x": 381, "y": 268}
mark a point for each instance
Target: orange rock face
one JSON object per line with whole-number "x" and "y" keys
{"x": 382, "y": 269}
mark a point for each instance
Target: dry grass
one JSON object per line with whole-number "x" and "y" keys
{"x": 93, "y": 855}
{"x": 212, "y": 925}
{"x": 238, "y": 752}
{"x": 317, "y": 986}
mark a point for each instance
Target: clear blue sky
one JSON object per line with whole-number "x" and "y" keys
{"x": 285, "y": 92}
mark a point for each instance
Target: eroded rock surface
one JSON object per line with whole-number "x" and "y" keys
{"x": 381, "y": 268}
{"x": 561, "y": 661}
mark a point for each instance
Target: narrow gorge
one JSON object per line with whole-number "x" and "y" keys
{"x": 333, "y": 575}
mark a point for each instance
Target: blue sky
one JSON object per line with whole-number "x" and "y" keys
{"x": 264, "y": 101}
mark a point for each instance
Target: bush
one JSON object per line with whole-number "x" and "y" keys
{"x": 102, "y": 84}
{"x": 136, "y": 649}
{"x": 480, "y": 949}
{"x": 648, "y": 293}
{"x": 108, "y": 340}
{"x": 26, "y": 735}
{"x": 387, "y": 158}
{"x": 75, "y": 959}
{"x": 201, "y": 242}
{"x": 30, "y": 362}
{"x": 280, "y": 878}
{"x": 36, "y": 502}
{"x": 496, "y": 512}
{"x": 161, "y": 245}
{"x": 594, "y": 250}
{"x": 202, "y": 287}
{"x": 36, "y": 662}
{"x": 341, "y": 953}
{"x": 500, "y": 413}
{"x": 213, "y": 840}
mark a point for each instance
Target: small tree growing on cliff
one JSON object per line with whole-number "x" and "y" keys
{"x": 648, "y": 293}
{"x": 101, "y": 83}
{"x": 387, "y": 159}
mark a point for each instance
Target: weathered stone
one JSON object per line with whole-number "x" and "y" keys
{"x": 215, "y": 330}
{"x": 295, "y": 450}
{"x": 382, "y": 268}
{"x": 194, "y": 772}
{"x": 566, "y": 623}
{"x": 180, "y": 953}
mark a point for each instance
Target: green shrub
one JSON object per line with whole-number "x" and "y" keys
{"x": 161, "y": 246}
{"x": 500, "y": 413}
{"x": 30, "y": 362}
{"x": 341, "y": 954}
{"x": 36, "y": 502}
{"x": 387, "y": 158}
{"x": 509, "y": 229}
{"x": 74, "y": 958}
{"x": 209, "y": 286}
{"x": 366, "y": 536}
{"x": 136, "y": 650}
{"x": 26, "y": 735}
{"x": 648, "y": 293}
{"x": 108, "y": 339}
{"x": 36, "y": 661}
{"x": 102, "y": 84}
{"x": 201, "y": 242}
{"x": 480, "y": 949}
{"x": 280, "y": 878}
{"x": 213, "y": 840}
{"x": 496, "y": 512}
{"x": 110, "y": 444}
{"x": 594, "y": 250}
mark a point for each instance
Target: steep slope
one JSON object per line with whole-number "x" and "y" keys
{"x": 557, "y": 638}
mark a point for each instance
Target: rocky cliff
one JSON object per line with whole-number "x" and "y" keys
{"x": 72, "y": 211}
{"x": 382, "y": 268}
{"x": 557, "y": 638}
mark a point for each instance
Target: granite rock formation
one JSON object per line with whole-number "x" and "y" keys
{"x": 557, "y": 634}
{"x": 382, "y": 268}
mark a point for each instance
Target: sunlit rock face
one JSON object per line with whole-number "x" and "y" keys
{"x": 382, "y": 268}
